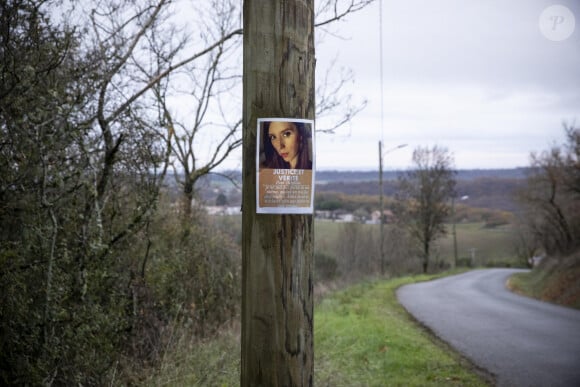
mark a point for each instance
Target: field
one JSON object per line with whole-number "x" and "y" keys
{"x": 355, "y": 248}
{"x": 486, "y": 246}
{"x": 476, "y": 244}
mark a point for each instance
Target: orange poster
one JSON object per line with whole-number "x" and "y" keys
{"x": 285, "y": 166}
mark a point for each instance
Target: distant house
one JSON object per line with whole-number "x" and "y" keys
{"x": 345, "y": 217}
{"x": 376, "y": 217}
{"x": 323, "y": 214}
{"x": 222, "y": 210}
{"x": 335, "y": 216}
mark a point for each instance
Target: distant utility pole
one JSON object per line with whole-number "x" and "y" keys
{"x": 381, "y": 201}
{"x": 473, "y": 250}
{"x": 454, "y": 217}
{"x": 277, "y": 250}
{"x": 382, "y": 208}
{"x": 454, "y": 230}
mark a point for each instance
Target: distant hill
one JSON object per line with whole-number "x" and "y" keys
{"x": 323, "y": 177}
{"x": 493, "y": 188}
{"x": 485, "y": 188}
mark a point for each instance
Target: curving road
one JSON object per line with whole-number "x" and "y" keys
{"x": 523, "y": 342}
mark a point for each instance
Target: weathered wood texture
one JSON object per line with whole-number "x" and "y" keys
{"x": 277, "y": 250}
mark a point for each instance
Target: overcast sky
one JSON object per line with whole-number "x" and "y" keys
{"x": 490, "y": 80}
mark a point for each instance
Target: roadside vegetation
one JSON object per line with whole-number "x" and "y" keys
{"x": 550, "y": 224}
{"x": 363, "y": 337}
{"x": 556, "y": 281}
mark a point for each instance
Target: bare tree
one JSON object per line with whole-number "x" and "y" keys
{"x": 551, "y": 198}
{"x": 572, "y": 160}
{"x": 82, "y": 164}
{"x": 211, "y": 87}
{"x": 335, "y": 106}
{"x": 330, "y": 11}
{"x": 424, "y": 197}
{"x": 205, "y": 130}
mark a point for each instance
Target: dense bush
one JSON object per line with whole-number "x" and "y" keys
{"x": 165, "y": 277}
{"x": 194, "y": 273}
{"x": 92, "y": 272}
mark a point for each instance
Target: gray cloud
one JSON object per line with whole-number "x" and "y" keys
{"x": 466, "y": 72}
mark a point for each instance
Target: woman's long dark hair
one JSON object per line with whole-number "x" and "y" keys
{"x": 275, "y": 161}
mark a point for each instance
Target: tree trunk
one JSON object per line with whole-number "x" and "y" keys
{"x": 187, "y": 202}
{"x": 426, "y": 256}
{"x": 277, "y": 250}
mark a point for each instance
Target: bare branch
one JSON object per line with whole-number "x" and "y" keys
{"x": 331, "y": 99}
{"x": 169, "y": 70}
{"x": 338, "y": 14}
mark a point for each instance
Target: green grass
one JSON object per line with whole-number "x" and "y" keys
{"x": 363, "y": 337}
{"x": 212, "y": 362}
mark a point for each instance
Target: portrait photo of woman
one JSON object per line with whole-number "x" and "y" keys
{"x": 285, "y": 166}
{"x": 285, "y": 145}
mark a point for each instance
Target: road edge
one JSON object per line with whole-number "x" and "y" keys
{"x": 487, "y": 376}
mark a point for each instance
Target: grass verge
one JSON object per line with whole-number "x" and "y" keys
{"x": 557, "y": 280}
{"x": 212, "y": 362}
{"x": 364, "y": 337}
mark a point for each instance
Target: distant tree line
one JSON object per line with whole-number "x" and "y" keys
{"x": 494, "y": 193}
{"x": 330, "y": 176}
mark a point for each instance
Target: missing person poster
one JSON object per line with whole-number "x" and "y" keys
{"x": 285, "y": 166}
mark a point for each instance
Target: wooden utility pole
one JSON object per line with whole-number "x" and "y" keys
{"x": 277, "y": 250}
{"x": 382, "y": 208}
{"x": 454, "y": 230}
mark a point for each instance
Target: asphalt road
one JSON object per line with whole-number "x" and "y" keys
{"x": 523, "y": 342}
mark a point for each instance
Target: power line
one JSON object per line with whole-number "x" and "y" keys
{"x": 381, "y": 67}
